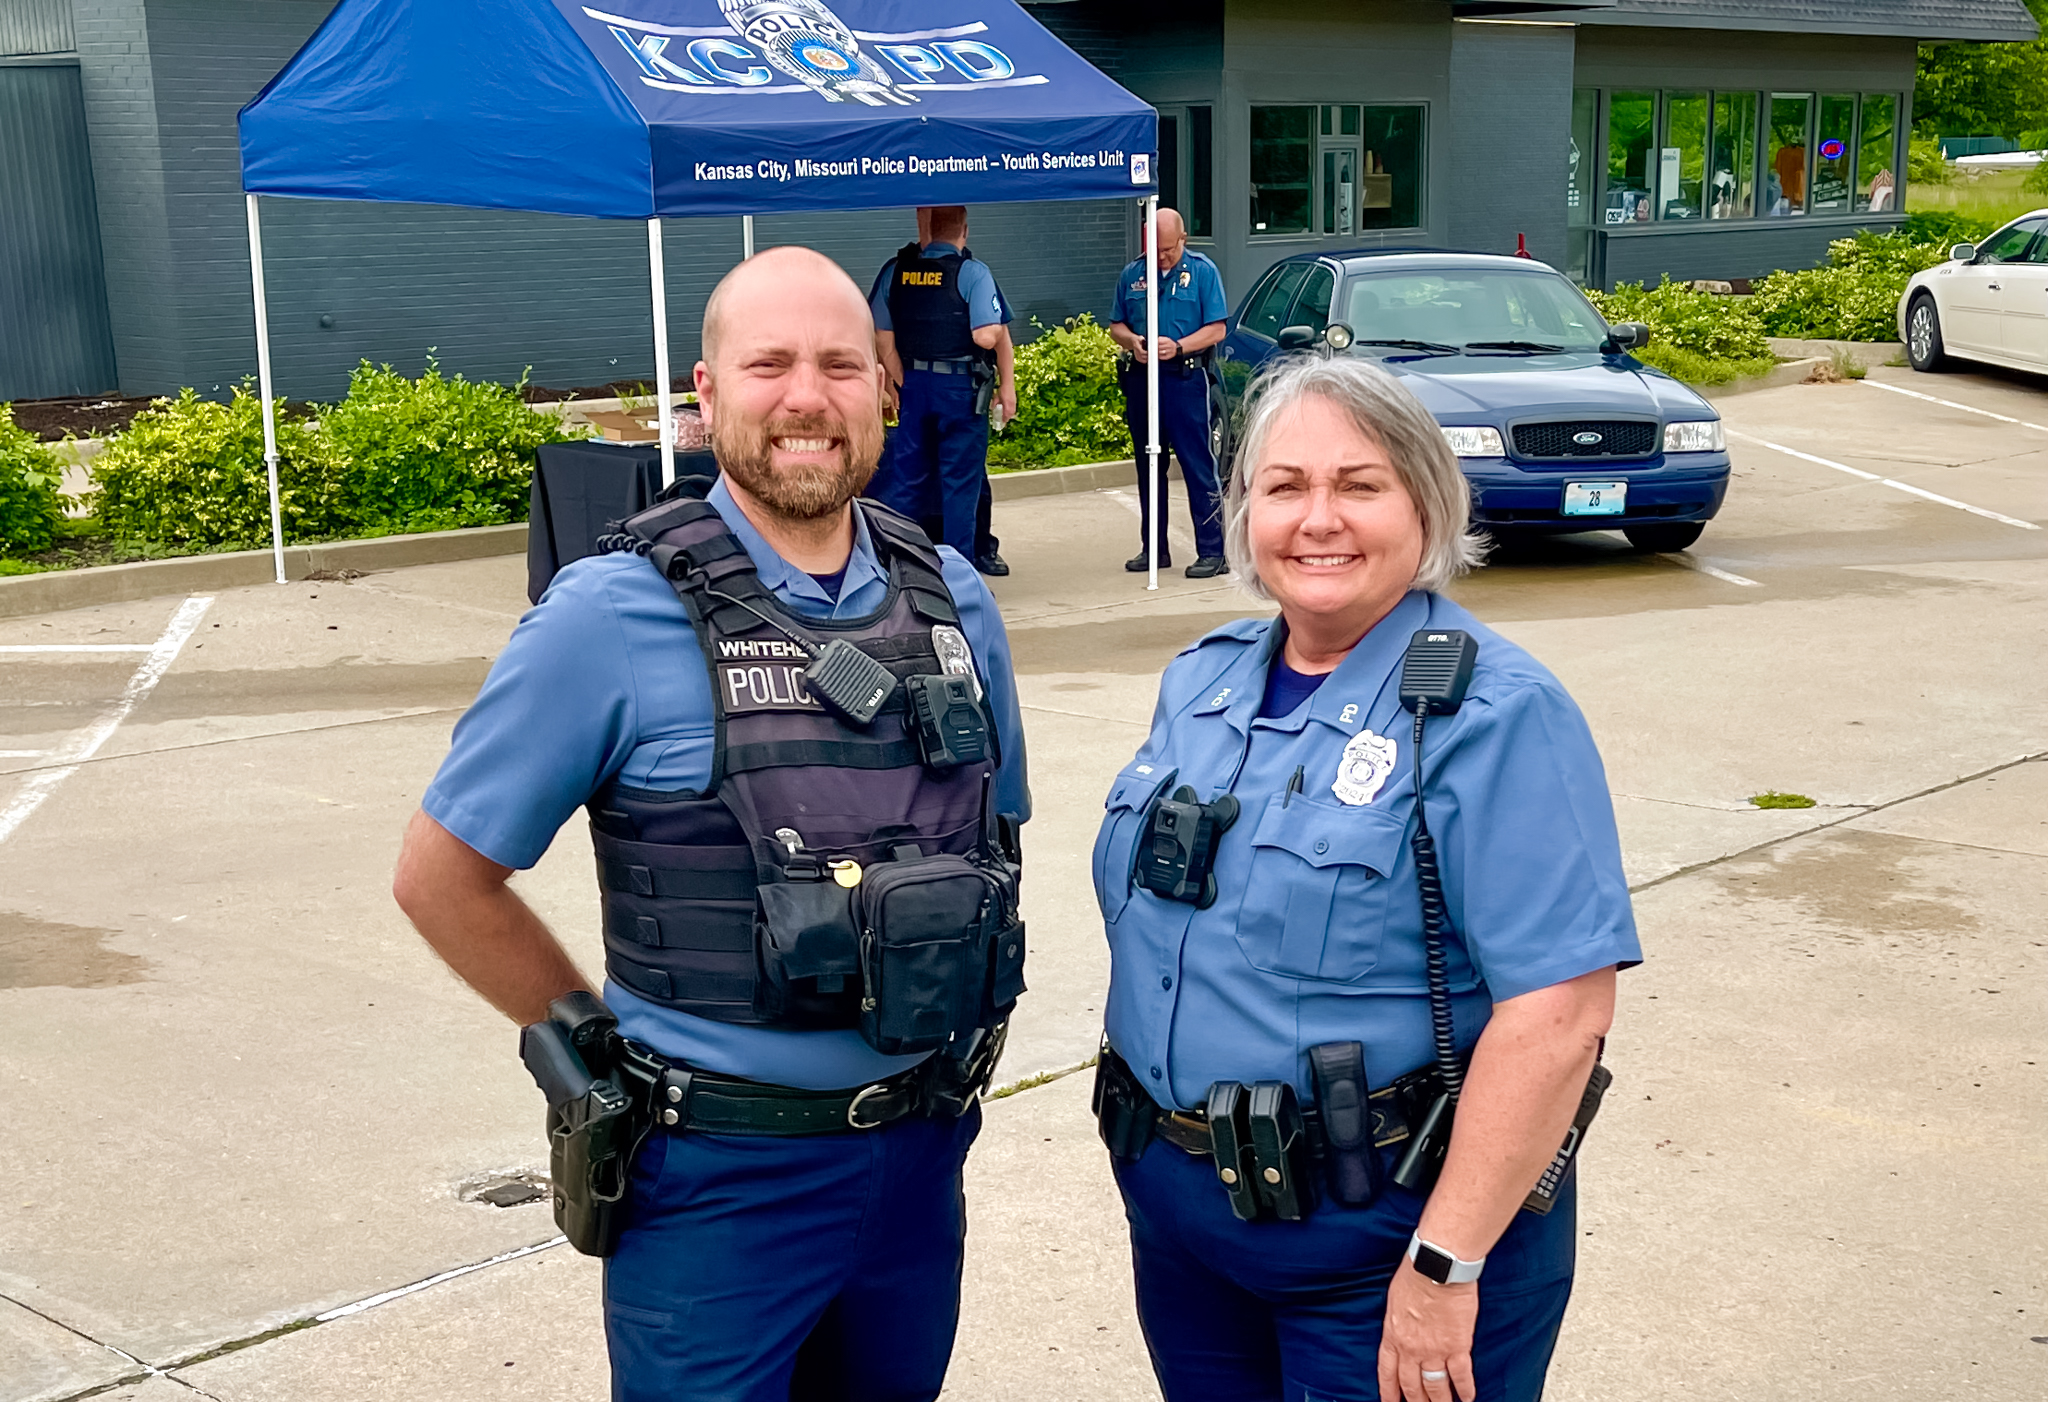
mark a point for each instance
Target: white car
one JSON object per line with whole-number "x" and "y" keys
{"x": 1989, "y": 302}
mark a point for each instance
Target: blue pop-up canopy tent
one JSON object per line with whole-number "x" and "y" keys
{"x": 640, "y": 109}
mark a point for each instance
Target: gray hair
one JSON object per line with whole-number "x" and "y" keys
{"x": 1384, "y": 410}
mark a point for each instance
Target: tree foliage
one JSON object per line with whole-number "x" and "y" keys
{"x": 1983, "y": 89}
{"x": 30, "y": 507}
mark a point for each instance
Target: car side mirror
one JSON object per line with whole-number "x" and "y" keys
{"x": 1962, "y": 253}
{"x": 1294, "y": 338}
{"x": 1626, "y": 336}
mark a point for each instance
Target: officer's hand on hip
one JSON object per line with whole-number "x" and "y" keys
{"x": 1426, "y": 1343}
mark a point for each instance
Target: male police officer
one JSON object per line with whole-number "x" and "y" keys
{"x": 793, "y": 1227}
{"x": 1192, "y": 310}
{"x": 939, "y": 325}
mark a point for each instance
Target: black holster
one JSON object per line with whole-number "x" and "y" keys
{"x": 595, "y": 1119}
{"x": 1124, "y": 1114}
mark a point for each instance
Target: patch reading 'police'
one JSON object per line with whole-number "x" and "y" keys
{"x": 956, "y": 658}
{"x": 746, "y": 687}
{"x": 1364, "y": 766}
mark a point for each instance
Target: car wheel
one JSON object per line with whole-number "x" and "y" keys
{"x": 1923, "y": 336}
{"x": 1664, "y": 539}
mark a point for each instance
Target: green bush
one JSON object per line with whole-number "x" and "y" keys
{"x": 1696, "y": 369}
{"x": 1710, "y": 326}
{"x": 1942, "y": 226}
{"x": 1925, "y": 164}
{"x": 433, "y": 454}
{"x": 1069, "y": 409}
{"x": 30, "y": 509}
{"x": 190, "y": 472}
{"x": 1855, "y": 297}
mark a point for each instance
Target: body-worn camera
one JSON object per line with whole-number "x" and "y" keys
{"x": 1176, "y": 855}
{"x": 951, "y": 727}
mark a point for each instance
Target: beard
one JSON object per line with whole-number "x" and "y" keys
{"x": 803, "y": 491}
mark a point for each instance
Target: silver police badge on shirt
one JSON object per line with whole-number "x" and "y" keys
{"x": 1364, "y": 766}
{"x": 955, "y": 656}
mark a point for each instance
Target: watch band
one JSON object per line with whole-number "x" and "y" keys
{"x": 1441, "y": 1266}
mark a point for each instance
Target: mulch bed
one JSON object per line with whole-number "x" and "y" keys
{"x": 541, "y": 394}
{"x": 83, "y": 416}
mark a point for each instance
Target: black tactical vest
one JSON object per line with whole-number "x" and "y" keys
{"x": 926, "y": 307}
{"x": 738, "y": 902}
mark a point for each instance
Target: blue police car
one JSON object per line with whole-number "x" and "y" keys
{"x": 1557, "y": 427}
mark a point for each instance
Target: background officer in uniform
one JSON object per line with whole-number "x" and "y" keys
{"x": 988, "y": 556}
{"x": 761, "y": 1265}
{"x": 1192, "y": 312}
{"x": 939, "y": 321}
{"x": 1350, "y": 512}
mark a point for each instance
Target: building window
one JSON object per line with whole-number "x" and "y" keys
{"x": 1682, "y": 156}
{"x": 1187, "y": 180}
{"x": 1581, "y": 179}
{"x": 1731, "y": 189}
{"x": 1785, "y": 168}
{"x": 1630, "y": 117}
{"x": 1336, "y": 168}
{"x": 1834, "y": 154}
{"x": 1877, "y": 147}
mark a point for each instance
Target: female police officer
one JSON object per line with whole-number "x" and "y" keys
{"x": 1277, "y": 1253}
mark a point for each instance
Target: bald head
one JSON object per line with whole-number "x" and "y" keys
{"x": 770, "y": 284}
{"x": 1173, "y": 239}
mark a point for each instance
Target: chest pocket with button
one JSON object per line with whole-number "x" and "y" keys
{"x": 1315, "y": 904}
{"x": 1132, "y": 793}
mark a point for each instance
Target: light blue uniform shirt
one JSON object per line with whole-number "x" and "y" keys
{"x": 1190, "y": 297}
{"x": 1316, "y": 933}
{"x": 604, "y": 678}
{"x": 985, "y": 304}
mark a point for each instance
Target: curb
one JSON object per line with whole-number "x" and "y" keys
{"x": 1871, "y": 353}
{"x": 144, "y": 579}
{"x": 1792, "y": 372}
{"x": 1057, "y": 481}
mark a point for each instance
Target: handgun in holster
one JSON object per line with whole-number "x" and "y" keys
{"x": 984, "y": 381}
{"x": 594, "y": 1122}
{"x": 1125, "y": 1116}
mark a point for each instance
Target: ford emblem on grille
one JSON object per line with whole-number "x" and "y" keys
{"x": 1586, "y": 439}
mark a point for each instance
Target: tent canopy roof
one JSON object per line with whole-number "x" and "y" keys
{"x": 628, "y": 109}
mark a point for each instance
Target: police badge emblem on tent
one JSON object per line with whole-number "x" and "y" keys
{"x": 805, "y": 40}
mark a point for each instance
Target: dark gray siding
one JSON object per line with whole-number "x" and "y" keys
{"x": 494, "y": 292}
{"x": 53, "y": 303}
{"x": 1509, "y": 134}
{"x": 35, "y": 27}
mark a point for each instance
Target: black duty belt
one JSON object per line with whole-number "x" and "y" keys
{"x": 943, "y": 367}
{"x": 1395, "y": 1109}
{"x": 681, "y": 1098}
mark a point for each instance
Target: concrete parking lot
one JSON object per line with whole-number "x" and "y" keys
{"x": 249, "y": 1112}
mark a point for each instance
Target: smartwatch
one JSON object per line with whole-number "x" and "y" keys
{"x": 1440, "y": 1265}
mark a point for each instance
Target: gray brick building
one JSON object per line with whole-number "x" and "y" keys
{"x": 1620, "y": 138}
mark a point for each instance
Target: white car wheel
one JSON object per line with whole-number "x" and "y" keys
{"x": 1923, "y": 335}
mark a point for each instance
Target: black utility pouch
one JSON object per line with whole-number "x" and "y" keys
{"x": 1124, "y": 1114}
{"x": 810, "y": 934}
{"x": 1280, "y": 1151}
{"x": 1352, "y": 1163}
{"x": 923, "y": 951}
{"x": 1230, "y": 1141}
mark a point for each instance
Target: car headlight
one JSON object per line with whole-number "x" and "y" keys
{"x": 1699, "y": 436}
{"x": 1477, "y": 441}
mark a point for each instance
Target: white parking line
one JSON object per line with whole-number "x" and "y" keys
{"x": 1691, "y": 563}
{"x": 1887, "y": 482}
{"x": 164, "y": 651}
{"x": 20, "y": 754}
{"x": 76, "y": 647}
{"x": 1951, "y": 404}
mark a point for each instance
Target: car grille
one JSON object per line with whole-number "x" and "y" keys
{"x": 1619, "y": 438}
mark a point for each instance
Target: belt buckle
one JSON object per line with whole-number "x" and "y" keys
{"x": 853, "y": 1106}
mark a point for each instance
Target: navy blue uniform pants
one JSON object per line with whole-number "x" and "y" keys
{"x": 790, "y": 1270}
{"x": 938, "y": 456}
{"x": 1183, "y": 429}
{"x": 1291, "y": 1311}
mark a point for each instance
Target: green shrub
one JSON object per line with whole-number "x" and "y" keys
{"x": 1069, "y": 409}
{"x": 30, "y": 509}
{"x": 1855, "y": 297}
{"x": 433, "y": 454}
{"x": 1696, "y": 369}
{"x": 1943, "y": 226}
{"x": 1925, "y": 164}
{"x": 1710, "y": 326}
{"x": 190, "y": 472}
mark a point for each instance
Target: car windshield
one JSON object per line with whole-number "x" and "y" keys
{"x": 1504, "y": 311}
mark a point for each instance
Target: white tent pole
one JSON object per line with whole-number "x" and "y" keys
{"x": 747, "y": 235}
{"x": 263, "y": 385}
{"x": 1152, "y": 385}
{"x": 662, "y": 393}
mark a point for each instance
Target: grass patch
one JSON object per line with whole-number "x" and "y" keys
{"x": 1771, "y": 798}
{"x": 1696, "y": 369}
{"x": 1043, "y": 1078}
{"x": 1994, "y": 196}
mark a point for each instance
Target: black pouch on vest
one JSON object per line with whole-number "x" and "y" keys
{"x": 1230, "y": 1141}
{"x": 1006, "y": 940}
{"x": 1178, "y": 847}
{"x": 923, "y": 951}
{"x": 1353, "y": 1164}
{"x": 1280, "y": 1151}
{"x": 950, "y": 725}
{"x": 810, "y": 933}
{"x": 1124, "y": 1115}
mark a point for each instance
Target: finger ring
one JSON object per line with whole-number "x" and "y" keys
{"x": 1430, "y": 1377}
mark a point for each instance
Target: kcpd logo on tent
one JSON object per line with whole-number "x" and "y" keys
{"x": 806, "y": 41}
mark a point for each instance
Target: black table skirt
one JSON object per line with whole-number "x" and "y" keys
{"x": 580, "y": 488}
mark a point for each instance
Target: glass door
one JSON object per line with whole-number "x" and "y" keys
{"x": 1340, "y": 189}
